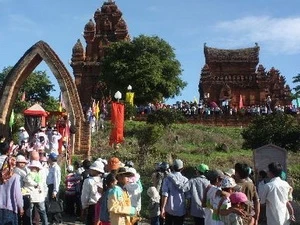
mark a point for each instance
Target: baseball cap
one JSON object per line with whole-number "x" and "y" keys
{"x": 178, "y": 164}
{"x": 202, "y": 168}
{"x": 238, "y": 197}
{"x": 53, "y": 156}
{"x": 214, "y": 174}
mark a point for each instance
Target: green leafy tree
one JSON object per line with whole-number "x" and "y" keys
{"x": 148, "y": 64}
{"x": 280, "y": 129}
{"x": 37, "y": 88}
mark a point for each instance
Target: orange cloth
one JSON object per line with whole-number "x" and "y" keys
{"x": 117, "y": 120}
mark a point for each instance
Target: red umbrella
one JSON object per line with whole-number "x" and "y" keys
{"x": 213, "y": 105}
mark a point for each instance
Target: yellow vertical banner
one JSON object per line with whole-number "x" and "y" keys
{"x": 129, "y": 97}
{"x": 97, "y": 110}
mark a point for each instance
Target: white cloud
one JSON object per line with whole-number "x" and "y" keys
{"x": 19, "y": 22}
{"x": 278, "y": 35}
{"x": 153, "y": 8}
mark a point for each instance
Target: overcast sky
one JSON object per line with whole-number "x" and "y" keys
{"x": 185, "y": 25}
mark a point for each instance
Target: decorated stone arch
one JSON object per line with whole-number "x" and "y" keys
{"x": 81, "y": 140}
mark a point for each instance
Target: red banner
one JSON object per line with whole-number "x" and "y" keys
{"x": 117, "y": 120}
{"x": 241, "y": 105}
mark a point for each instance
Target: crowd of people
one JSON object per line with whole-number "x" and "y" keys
{"x": 215, "y": 197}
{"x": 192, "y": 108}
{"x": 110, "y": 192}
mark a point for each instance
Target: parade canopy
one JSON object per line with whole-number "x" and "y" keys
{"x": 36, "y": 110}
{"x": 35, "y": 117}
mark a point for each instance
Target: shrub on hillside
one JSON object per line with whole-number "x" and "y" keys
{"x": 165, "y": 117}
{"x": 279, "y": 129}
{"x": 130, "y": 111}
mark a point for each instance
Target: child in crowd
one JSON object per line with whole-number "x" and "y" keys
{"x": 228, "y": 184}
{"x": 239, "y": 202}
{"x": 154, "y": 205}
{"x": 212, "y": 195}
{"x": 110, "y": 182}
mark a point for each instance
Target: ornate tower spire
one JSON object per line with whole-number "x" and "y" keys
{"x": 106, "y": 27}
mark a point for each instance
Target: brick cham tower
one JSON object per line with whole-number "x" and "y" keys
{"x": 229, "y": 74}
{"x": 108, "y": 27}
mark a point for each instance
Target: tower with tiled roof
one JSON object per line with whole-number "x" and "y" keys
{"x": 229, "y": 74}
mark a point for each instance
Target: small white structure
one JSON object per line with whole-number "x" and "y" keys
{"x": 267, "y": 154}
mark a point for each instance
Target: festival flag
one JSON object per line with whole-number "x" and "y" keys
{"x": 129, "y": 97}
{"x": 61, "y": 103}
{"x": 117, "y": 120}
{"x": 94, "y": 107}
{"x": 97, "y": 110}
{"x": 12, "y": 119}
{"x": 241, "y": 105}
{"x": 195, "y": 100}
{"x": 23, "y": 98}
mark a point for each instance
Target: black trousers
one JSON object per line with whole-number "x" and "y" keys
{"x": 53, "y": 217}
{"x": 25, "y": 219}
{"x": 174, "y": 220}
{"x": 90, "y": 217}
{"x": 199, "y": 221}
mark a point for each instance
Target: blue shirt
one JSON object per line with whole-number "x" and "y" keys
{"x": 104, "y": 214}
{"x": 197, "y": 186}
{"x": 174, "y": 187}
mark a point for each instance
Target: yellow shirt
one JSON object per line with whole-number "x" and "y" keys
{"x": 119, "y": 206}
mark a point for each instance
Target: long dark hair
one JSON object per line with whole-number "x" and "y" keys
{"x": 108, "y": 180}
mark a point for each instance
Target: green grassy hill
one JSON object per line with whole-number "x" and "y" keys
{"x": 218, "y": 147}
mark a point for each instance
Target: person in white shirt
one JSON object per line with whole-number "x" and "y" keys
{"x": 276, "y": 196}
{"x": 44, "y": 141}
{"x": 34, "y": 182}
{"x": 54, "y": 141}
{"x": 48, "y": 132}
{"x": 45, "y": 172}
{"x": 23, "y": 136}
{"x": 91, "y": 191}
{"x": 53, "y": 182}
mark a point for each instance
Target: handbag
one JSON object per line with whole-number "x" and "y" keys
{"x": 55, "y": 206}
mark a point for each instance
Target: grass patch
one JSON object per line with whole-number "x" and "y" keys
{"x": 218, "y": 147}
